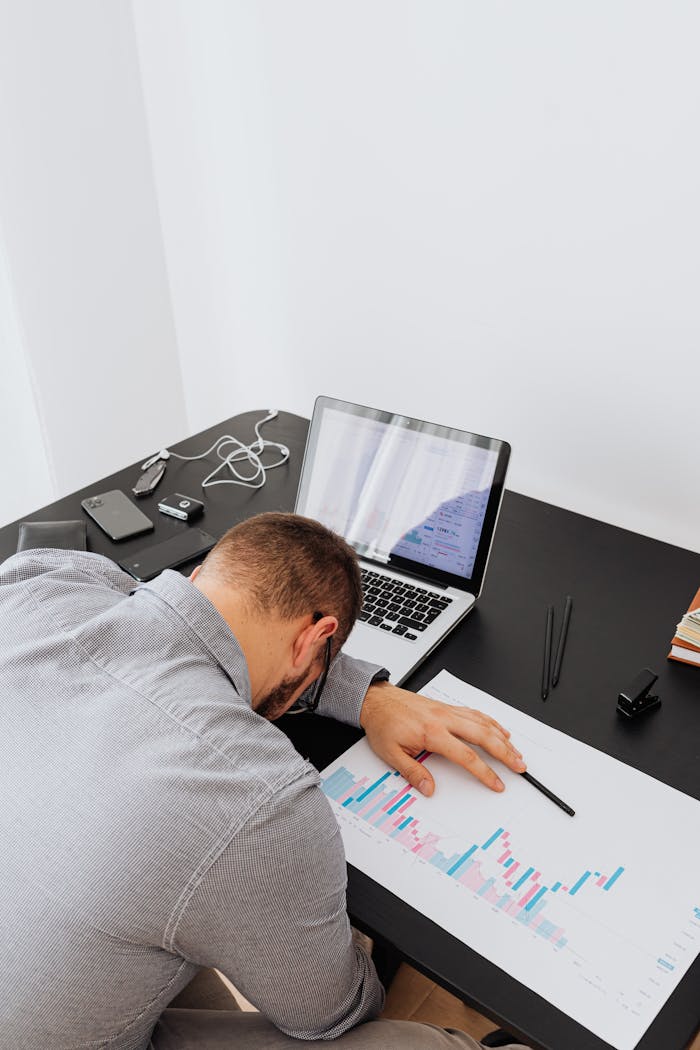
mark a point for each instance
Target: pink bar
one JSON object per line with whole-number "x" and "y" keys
{"x": 504, "y": 857}
{"x": 530, "y": 893}
{"x": 406, "y": 805}
{"x": 397, "y": 796}
{"x": 426, "y": 755}
{"x": 426, "y": 846}
{"x": 473, "y": 878}
{"x": 367, "y": 806}
{"x": 351, "y": 790}
{"x": 492, "y": 896}
{"x": 565, "y": 889}
{"x": 535, "y": 877}
{"x": 404, "y": 838}
{"x": 603, "y": 879}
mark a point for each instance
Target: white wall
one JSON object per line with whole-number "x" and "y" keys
{"x": 91, "y": 313}
{"x": 485, "y": 214}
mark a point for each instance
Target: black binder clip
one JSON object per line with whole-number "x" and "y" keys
{"x": 635, "y": 699}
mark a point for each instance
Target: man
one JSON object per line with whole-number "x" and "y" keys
{"x": 154, "y": 820}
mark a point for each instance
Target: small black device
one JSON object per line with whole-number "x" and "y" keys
{"x": 635, "y": 699}
{"x": 116, "y": 515}
{"x": 184, "y": 507}
{"x": 149, "y": 479}
{"x": 186, "y": 546}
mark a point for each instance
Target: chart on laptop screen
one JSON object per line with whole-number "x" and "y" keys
{"x": 391, "y": 490}
{"x": 597, "y": 913}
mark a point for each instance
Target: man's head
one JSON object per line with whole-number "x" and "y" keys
{"x": 284, "y": 584}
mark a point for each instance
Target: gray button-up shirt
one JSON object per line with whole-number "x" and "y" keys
{"x": 152, "y": 823}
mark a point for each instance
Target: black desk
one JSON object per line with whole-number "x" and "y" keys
{"x": 629, "y": 593}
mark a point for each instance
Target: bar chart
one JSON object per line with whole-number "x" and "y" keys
{"x": 579, "y": 909}
{"x": 516, "y": 887}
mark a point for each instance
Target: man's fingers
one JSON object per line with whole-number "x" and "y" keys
{"x": 414, "y": 772}
{"x": 469, "y": 714}
{"x": 490, "y": 740}
{"x": 466, "y": 757}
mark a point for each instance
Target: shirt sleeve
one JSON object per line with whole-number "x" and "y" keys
{"x": 270, "y": 914}
{"x": 346, "y": 688}
{"x": 76, "y": 566}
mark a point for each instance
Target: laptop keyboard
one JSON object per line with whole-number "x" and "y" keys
{"x": 400, "y": 607}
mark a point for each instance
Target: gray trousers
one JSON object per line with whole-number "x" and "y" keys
{"x": 204, "y": 1016}
{"x": 236, "y": 1030}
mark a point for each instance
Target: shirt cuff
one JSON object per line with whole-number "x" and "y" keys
{"x": 346, "y": 687}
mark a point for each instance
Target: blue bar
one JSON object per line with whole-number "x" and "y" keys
{"x": 348, "y": 801}
{"x": 666, "y": 964}
{"x": 504, "y": 901}
{"x": 533, "y": 900}
{"x": 577, "y": 885}
{"x": 556, "y": 886}
{"x": 562, "y": 942}
{"x": 493, "y": 838}
{"x": 613, "y": 878}
{"x": 461, "y": 861}
{"x": 521, "y": 880}
{"x": 374, "y": 785}
{"x": 526, "y": 916}
{"x": 546, "y": 928}
{"x": 337, "y": 783}
{"x": 405, "y": 824}
{"x": 509, "y": 862}
{"x": 397, "y": 805}
{"x": 375, "y": 809}
{"x": 485, "y": 888}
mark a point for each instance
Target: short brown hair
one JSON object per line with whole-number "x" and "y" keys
{"x": 291, "y": 566}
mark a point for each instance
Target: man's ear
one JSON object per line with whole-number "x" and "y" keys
{"x": 306, "y": 643}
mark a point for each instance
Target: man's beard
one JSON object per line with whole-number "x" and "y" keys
{"x": 278, "y": 699}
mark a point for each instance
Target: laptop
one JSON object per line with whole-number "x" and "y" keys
{"x": 419, "y": 504}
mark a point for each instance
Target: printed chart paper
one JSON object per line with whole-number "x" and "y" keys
{"x": 598, "y": 913}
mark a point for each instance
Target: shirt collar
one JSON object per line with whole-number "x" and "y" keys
{"x": 202, "y": 617}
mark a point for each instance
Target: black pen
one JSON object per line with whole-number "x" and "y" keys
{"x": 562, "y": 640}
{"x": 547, "y": 651}
{"x": 550, "y": 794}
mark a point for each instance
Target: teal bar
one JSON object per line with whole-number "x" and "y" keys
{"x": 397, "y": 805}
{"x": 493, "y": 838}
{"x": 613, "y": 878}
{"x": 373, "y": 786}
{"x": 577, "y": 886}
{"x": 522, "y": 879}
{"x": 461, "y": 861}
{"x": 533, "y": 900}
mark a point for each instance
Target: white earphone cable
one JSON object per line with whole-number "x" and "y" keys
{"x": 240, "y": 453}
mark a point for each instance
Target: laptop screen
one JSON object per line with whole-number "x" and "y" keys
{"x": 402, "y": 491}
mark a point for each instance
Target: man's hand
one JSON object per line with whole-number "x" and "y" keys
{"x": 399, "y": 725}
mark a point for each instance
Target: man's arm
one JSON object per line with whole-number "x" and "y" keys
{"x": 75, "y": 564}
{"x": 400, "y": 724}
{"x": 270, "y": 914}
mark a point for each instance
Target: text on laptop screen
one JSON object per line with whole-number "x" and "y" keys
{"x": 391, "y": 490}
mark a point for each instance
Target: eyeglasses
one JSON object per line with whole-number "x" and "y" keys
{"x": 315, "y": 700}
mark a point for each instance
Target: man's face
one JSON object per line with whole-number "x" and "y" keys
{"x": 281, "y": 698}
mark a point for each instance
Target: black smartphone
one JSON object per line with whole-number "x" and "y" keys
{"x": 116, "y": 515}
{"x": 176, "y": 551}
